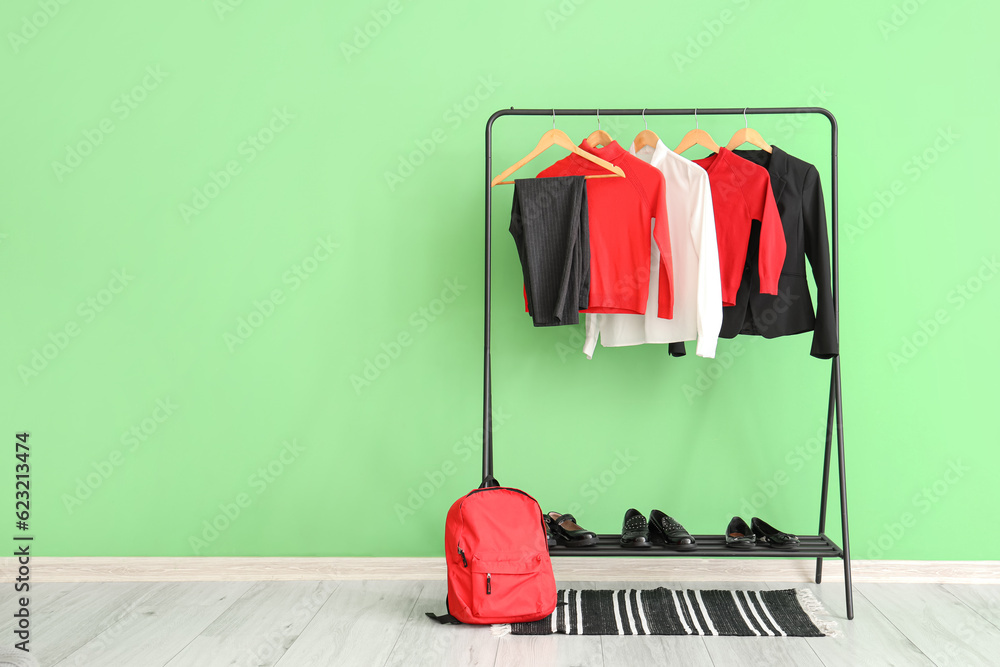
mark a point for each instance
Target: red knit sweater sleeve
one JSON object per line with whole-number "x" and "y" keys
{"x": 772, "y": 236}
{"x": 661, "y": 235}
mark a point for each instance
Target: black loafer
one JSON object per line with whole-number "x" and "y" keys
{"x": 666, "y": 530}
{"x": 635, "y": 531}
{"x": 739, "y": 535}
{"x": 567, "y": 532}
{"x": 771, "y": 537}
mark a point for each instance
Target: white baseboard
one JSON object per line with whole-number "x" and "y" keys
{"x": 95, "y": 569}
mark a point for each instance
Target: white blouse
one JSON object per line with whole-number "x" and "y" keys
{"x": 695, "y": 253}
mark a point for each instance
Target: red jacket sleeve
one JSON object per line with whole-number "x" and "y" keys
{"x": 772, "y": 241}
{"x": 661, "y": 235}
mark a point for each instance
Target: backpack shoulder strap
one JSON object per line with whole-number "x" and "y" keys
{"x": 444, "y": 619}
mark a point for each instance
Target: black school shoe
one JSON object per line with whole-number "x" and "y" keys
{"x": 771, "y": 537}
{"x": 567, "y": 532}
{"x": 635, "y": 531}
{"x": 549, "y": 540}
{"x": 664, "y": 529}
{"x": 739, "y": 535}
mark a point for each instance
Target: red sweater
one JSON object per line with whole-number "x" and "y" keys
{"x": 741, "y": 193}
{"x": 621, "y": 212}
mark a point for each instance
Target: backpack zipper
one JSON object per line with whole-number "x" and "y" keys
{"x": 461, "y": 553}
{"x": 500, "y": 488}
{"x": 488, "y": 592}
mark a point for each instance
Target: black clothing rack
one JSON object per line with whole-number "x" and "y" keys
{"x": 813, "y": 546}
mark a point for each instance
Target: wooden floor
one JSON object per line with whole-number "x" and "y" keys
{"x": 371, "y": 623}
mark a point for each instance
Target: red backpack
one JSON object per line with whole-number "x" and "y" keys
{"x": 499, "y": 569}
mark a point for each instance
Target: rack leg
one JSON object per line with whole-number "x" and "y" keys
{"x": 826, "y": 467}
{"x": 487, "y": 289}
{"x": 843, "y": 491}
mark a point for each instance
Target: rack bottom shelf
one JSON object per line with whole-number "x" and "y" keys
{"x": 709, "y": 546}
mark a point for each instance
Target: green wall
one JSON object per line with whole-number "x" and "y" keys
{"x": 216, "y": 217}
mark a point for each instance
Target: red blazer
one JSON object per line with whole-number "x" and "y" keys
{"x": 741, "y": 193}
{"x": 621, "y": 213}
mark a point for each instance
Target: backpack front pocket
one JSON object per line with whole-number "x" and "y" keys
{"x": 506, "y": 588}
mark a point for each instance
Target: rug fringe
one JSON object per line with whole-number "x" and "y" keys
{"x": 814, "y": 609}
{"x": 500, "y": 629}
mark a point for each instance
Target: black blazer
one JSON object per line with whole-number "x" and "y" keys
{"x": 799, "y": 196}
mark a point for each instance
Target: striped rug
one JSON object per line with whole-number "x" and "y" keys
{"x": 662, "y": 611}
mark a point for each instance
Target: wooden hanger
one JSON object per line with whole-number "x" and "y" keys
{"x": 747, "y": 135}
{"x": 599, "y": 137}
{"x": 697, "y": 137}
{"x": 645, "y": 138}
{"x": 558, "y": 138}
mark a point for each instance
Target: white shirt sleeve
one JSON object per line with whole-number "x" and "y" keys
{"x": 709, "y": 279}
{"x": 593, "y": 329}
